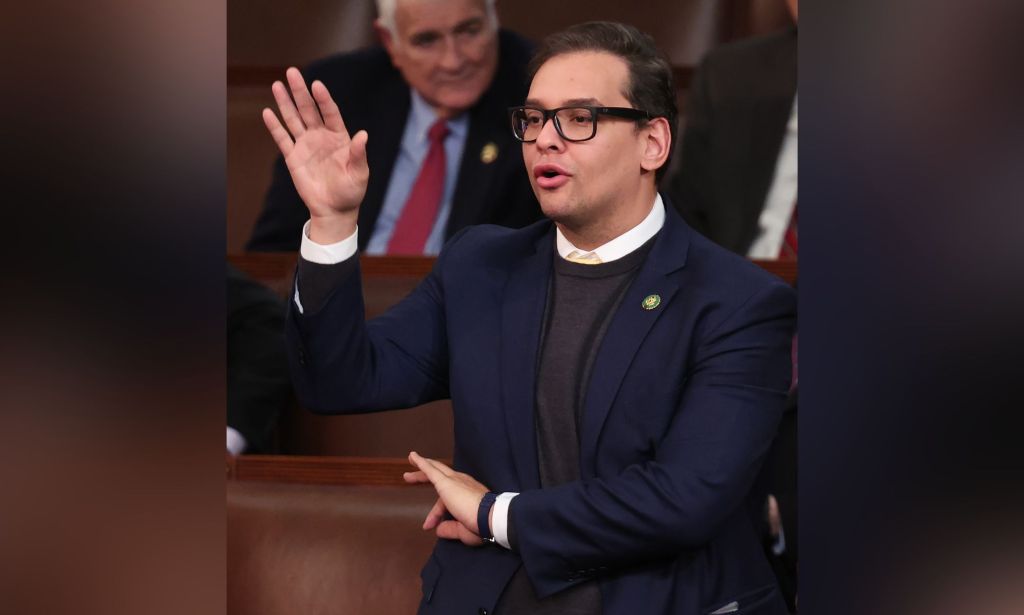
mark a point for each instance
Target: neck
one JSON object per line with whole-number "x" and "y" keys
{"x": 440, "y": 112}
{"x": 593, "y": 235}
{"x": 445, "y": 113}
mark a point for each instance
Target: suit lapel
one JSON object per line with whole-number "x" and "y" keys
{"x": 477, "y": 168}
{"x": 522, "y": 317}
{"x": 630, "y": 325}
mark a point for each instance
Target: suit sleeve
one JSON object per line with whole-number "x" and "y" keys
{"x": 690, "y": 190}
{"x": 699, "y": 474}
{"x": 342, "y": 364}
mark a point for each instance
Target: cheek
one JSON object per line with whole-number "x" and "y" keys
{"x": 529, "y": 157}
{"x": 476, "y": 48}
{"x": 416, "y": 68}
{"x": 621, "y": 161}
{"x": 480, "y": 54}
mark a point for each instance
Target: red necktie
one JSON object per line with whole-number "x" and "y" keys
{"x": 417, "y": 219}
{"x": 788, "y": 250}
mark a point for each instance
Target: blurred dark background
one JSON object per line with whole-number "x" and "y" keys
{"x": 910, "y": 299}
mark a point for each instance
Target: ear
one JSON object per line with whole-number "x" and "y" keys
{"x": 657, "y": 144}
{"x": 385, "y": 38}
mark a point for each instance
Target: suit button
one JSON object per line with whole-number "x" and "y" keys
{"x": 302, "y": 357}
{"x": 481, "y": 611}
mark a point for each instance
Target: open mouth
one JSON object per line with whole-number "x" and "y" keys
{"x": 550, "y": 176}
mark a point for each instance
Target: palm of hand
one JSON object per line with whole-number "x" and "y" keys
{"x": 328, "y": 167}
{"x": 326, "y": 176}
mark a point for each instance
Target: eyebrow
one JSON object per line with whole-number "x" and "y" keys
{"x": 572, "y": 102}
{"x": 465, "y": 23}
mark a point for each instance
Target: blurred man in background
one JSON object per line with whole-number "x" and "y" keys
{"x": 737, "y": 179}
{"x": 434, "y": 97}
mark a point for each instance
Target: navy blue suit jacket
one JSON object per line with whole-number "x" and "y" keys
{"x": 683, "y": 402}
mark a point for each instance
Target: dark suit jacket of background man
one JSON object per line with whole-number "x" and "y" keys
{"x": 736, "y": 116}
{"x": 683, "y": 402}
{"x": 258, "y": 387}
{"x": 373, "y": 96}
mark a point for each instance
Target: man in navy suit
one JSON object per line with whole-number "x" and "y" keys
{"x": 616, "y": 379}
{"x": 440, "y": 60}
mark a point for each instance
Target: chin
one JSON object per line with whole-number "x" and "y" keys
{"x": 461, "y": 98}
{"x": 556, "y": 207}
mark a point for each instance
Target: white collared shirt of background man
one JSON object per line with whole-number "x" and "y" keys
{"x": 781, "y": 199}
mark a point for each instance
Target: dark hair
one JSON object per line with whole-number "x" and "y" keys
{"x": 650, "y": 86}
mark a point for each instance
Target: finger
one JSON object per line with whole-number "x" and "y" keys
{"x": 287, "y": 109}
{"x": 357, "y": 156}
{"x": 416, "y": 477}
{"x": 468, "y": 537}
{"x": 328, "y": 108}
{"x": 435, "y": 516}
{"x": 449, "y": 529}
{"x": 277, "y": 131}
{"x": 426, "y": 470}
{"x": 439, "y": 467}
{"x": 307, "y": 107}
{"x": 424, "y": 465}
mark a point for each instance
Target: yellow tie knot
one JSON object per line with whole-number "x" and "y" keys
{"x": 585, "y": 259}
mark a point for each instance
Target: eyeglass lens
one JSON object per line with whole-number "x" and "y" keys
{"x": 573, "y": 123}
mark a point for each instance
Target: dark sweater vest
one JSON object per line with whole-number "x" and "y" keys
{"x": 581, "y": 302}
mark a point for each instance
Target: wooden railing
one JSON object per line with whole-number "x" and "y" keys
{"x": 319, "y": 470}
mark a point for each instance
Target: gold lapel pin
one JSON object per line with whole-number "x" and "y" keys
{"x": 489, "y": 153}
{"x": 651, "y": 301}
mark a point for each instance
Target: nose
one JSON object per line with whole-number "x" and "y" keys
{"x": 452, "y": 58}
{"x": 549, "y": 139}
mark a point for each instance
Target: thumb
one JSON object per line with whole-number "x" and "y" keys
{"x": 357, "y": 151}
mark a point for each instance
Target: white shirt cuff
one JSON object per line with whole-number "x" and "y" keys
{"x": 330, "y": 254}
{"x": 236, "y": 442}
{"x": 499, "y": 518}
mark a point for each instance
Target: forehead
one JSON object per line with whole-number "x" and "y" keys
{"x": 415, "y": 16}
{"x": 596, "y": 75}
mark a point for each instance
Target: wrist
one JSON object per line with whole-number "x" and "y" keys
{"x": 326, "y": 230}
{"x": 484, "y": 516}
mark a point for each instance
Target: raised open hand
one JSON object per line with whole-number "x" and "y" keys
{"x": 327, "y": 166}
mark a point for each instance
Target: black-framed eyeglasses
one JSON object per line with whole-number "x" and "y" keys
{"x": 578, "y": 123}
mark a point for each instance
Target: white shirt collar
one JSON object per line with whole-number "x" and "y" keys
{"x": 624, "y": 243}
